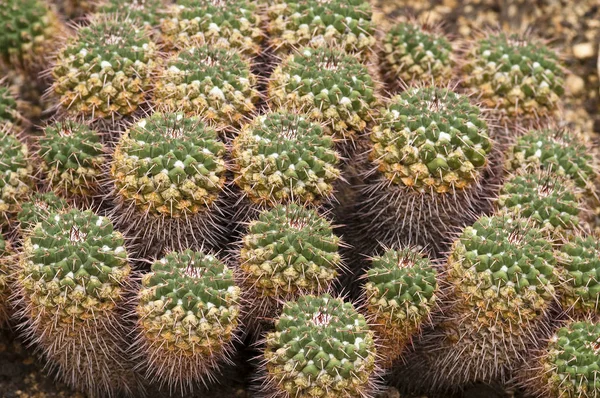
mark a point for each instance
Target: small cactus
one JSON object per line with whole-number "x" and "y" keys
{"x": 283, "y": 157}
{"x": 213, "y": 83}
{"x": 321, "y": 348}
{"x": 37, "y": 208}
{"x": 188, "y": 317}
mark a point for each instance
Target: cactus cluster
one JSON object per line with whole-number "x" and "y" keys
{"x": 189, "y": 313}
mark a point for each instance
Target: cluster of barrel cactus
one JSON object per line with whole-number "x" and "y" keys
{"x": 357, "y": 209}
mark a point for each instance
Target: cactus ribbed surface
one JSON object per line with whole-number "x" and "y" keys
{"x": 72, "y": 158}
{"x": 213, "y": 83}
{"x": 189, "y": 310}
{"x": 16, "y": 175}
{"x": 146, "y": 13}
{"x": 344, "y": 24}
{"x": 283, "y": 157}
{"x": 321, "y": 348}
{"x": 328, "y": 85}
{"x": 37, "y": 208}
{"x": 104, "y": 70}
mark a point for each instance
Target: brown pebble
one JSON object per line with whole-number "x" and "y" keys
{"x": 584, "y": 50}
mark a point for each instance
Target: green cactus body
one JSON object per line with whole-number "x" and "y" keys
{"x": 147, "y": 13}
{"x": 189, "y": 314}
{"x": 72, "y": 158}
{"x": 37, "y": 208}
{"x": 548, "y": 201}
{"x": 6, "y": 260}
{"x": 401, "y": 291}
{"x": 579, "y": 259}
{"x": 348, "y": 25}
{"x": 557, "y": 151}
{"x": 409, "y": 54}
{"x": 517, "y": 78}
{"x": 28, "y": 32}
{"x": 16, "y": 175}
{"x": 283, "y": 157}
{"x": 321, "y": 348}
{"x": 503, "y": 274}
{"x": 431, "y": 139}
{"x": 72, "y": 278}
{"x": 331, "y": 87}
{"x": 104, "y": 70}
{"x": 288, "y": 252}
{"x": 225, "y": 24}
{"x": 9, "y": 114}
{"x": 213, "y": 83}
{"x": 570, "y": 365}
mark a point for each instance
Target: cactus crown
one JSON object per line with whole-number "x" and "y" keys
{"x": 72, "y": 156}
{"x": 330, "y": 86}
{"x": 431, "y": 139}
{"x": 38, "y": 208}
{"x": 231, "y": 24}
{"x": 74, "y": 266}
{"x": 104, "y": 70}
{"x": 409, "y": 54}
{"x": 321, "y": 346}
{"x": 168, "y": 164}
{"x": 548, "y": 201}
{"x": 520, "y": 77}
{"x": 16, "y": 179}
{"x": 140, "y": 12}
{"x": 281, "y": 157}
{"x": 580, "y": 270}
{"x": 573, "y": 359}
{"x": 556, "y": 151}
{"x": 346, "y": 24}
{"x": 212, "y": 82}
{"x": 289, "y": 251}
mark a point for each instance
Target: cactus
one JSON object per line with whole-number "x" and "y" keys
{"x": 348, "y": 25}
{"x": 16, "y": 175}
{"x": 557, "y": 151}
{"x": 168, "y": 173}
{"x": 569, "y": 366}
{"x": 9, "y": 113}
{"x": 28, "y": 31}
{"x": 329, "y": 86}
{"x": 210, "y": 82}
{"x": 145, "y": 13}
{"x": 521, "y": 80}
{"x": 411, "y": 54}
{"x": 579, "y": 259}
{"x": 400, "y": 291}
{"x": 321, "y": 347}
{"x": 548, "y": 201}
{"x": 6, "y": 260}
{"x": 225, "y": 24}
{"x": 283, "y": 157}
{"x": 72, "y": 158}
{"x": 288, "y": 252}
{"x": 188, "y": 318}
{"x": 433, "y": 157}
{"x": 37, "y": 208}
{"x": 104, "y": 70}
{"x": 72, "y": 277}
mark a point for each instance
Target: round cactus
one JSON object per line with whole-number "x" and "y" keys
{"x": 147, "y": 13}
{"x": 400, "y": 290}
{"x": 72, "y": 278}
{"x": 411, "y": 54}
{"x": 557, "y": 151}
{"x": 37, "y": 208}
{"x": 6, "y": 259}
{"x": 104, "y": 70}
{"x": 329, "y": 86}
{"x": 188, "y": 310}
{"x": 548, "y": 201}
{"x": 288, "y": 252}
{"x": 518, "y": 78}
{"x": 168, "y": 174}
{"x": 72, "y": 158}
{"x": 16, "y": 175}
{"x": 225, "y": 24}
{"x": 321, "y": 348}
{"x": 283, "y": 157}
{"x": 569, "y": 366}
{"x": 348, "y": 25}
{"x": 210, "y": 82}
{"x": 28, "y": 31}
{"x": 580, "y": 273}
